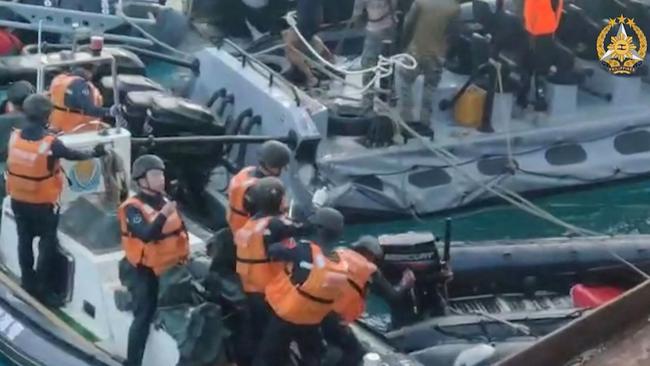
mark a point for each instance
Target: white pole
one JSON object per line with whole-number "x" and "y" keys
{"x": 39, "y": 71}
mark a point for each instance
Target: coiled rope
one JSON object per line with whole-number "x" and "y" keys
{"x": 384, "y": 68}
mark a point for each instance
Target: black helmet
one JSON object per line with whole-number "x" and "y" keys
{"x": 274, "y": 154}
{"x": 145, "y": 163}
{"x": 267, "y": 194}
{"x": 37, "y": 107}
{"x": 368, "y": 244}
{"x": 329, "y": 219}
{"x": 19, "y": 91}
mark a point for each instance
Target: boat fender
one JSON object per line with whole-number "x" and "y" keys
{"x": 349, "y": 121}
{"x": 476, "y": 356}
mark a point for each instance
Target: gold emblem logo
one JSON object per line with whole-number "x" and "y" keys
{"x": 624, "y": 53}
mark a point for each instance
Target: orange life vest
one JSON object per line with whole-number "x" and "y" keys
{"x": 253, "y": 265}
{"x": 63, "y": 118}
{"x": 29, "y": 179}
{"x": 539, "y": 17}
{"x": 352, "y": 301}
{"x": 160, "y": 255}
{"x": 239, "y": 184}
{"x": 309, "y": 302}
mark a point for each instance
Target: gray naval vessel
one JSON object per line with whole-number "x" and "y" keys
{"x": 593, "y": 131}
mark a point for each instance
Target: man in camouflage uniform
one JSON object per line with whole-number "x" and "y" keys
{"x": 425, "y": 37}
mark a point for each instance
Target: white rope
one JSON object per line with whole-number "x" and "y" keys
{"x": 499, "y": 87}
{"x": 268, "y": 50}
{"x": 509, "y": 196}
{"x": 384, "y": 68}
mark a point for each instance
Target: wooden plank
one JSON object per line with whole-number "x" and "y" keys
{"x": 601, "y": 325}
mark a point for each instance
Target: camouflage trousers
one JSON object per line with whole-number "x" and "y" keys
{"x": 431, "y": 67}
{"x": 372, "y": 48}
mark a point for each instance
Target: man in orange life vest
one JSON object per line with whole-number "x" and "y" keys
{"x": 362, "y": 275}
{"x": 541, "y": 20}
{"x": 76, "y": 100}
{"x": 34, "y": 183}
{"x": 154, "y": 239}
{"x": 303, "y": 293}
{"x": 267, "y": 226}
{"x": 274, "y": 156}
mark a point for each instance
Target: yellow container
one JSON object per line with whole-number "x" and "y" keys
{"x": 468, "y": 111}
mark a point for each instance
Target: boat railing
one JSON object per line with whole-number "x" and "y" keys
{"x": 273, "y": 77}
{"x": 63, "y": 21}
{"x": 45, "y": 63}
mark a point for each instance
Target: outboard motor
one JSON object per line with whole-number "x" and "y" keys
{"x": 417, "y": 251}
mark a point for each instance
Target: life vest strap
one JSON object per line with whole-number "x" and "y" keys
{"x": 313, "y": 298}
{"x": 163, "y": 237}
{"x": 38, "y": 179}
{"x": 238, "y": 211}
{"x": 253, "y": 261}
{"x": 357, "y": 288}
{"x": 68, "y": 110}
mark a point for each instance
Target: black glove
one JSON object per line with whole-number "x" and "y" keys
{"x": 99, "y": 151}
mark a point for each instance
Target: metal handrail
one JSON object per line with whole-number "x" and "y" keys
{"x": 44, "y": 64}
{"x": 247, "y": 57}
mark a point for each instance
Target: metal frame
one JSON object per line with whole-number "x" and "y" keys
{"x": 44, "y": 64}
{"x": 63, "y": 21}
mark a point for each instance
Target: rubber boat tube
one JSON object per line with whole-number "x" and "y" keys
{"x": 522, "y": 265}
{"x": 29, "y": 338}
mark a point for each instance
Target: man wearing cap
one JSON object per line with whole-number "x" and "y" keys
{"x": 76, "y": 100}
{"x": 34, "y": 183}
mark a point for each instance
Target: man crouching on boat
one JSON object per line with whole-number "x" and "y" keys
{"x": 309, "y": 19}
{"x": 363, "y": 275}
{"x": 34, "y": 183}
{"x": 154, "y": 239}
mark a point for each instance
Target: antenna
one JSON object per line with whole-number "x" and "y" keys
{"x": 446, "y": 253}
{"x": 39, "y": 70}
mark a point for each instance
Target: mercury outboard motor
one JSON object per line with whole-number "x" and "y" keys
{"x": 417, "y": 251}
